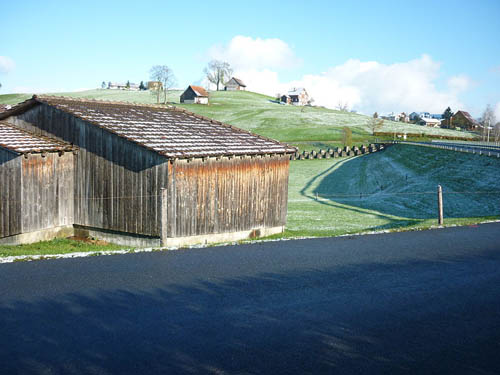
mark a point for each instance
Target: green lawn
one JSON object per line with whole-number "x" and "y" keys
{"x": 57, "y": 246}
{"x": 377, "y": 191}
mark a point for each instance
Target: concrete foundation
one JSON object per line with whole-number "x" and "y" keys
{"x": 221, "y": 237}
{"x": 119, "y": 238}
{"x": 39, "y": 235}
{"x": 135, "y": 240}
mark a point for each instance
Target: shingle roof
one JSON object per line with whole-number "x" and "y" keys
{"x": 239, "y": 81}
{"x": 468, "y": 117}
{"x": 199, "y": 91}
{"x": 172, "y": 132}
{"x": 22, "y": 141}
{"x": 296, "y": 91}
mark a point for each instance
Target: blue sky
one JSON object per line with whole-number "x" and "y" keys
{"x": 367, "y": 54}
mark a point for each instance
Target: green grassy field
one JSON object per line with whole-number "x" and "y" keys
{"x": 389, "y": 190}
{"x": 304, "y": 127}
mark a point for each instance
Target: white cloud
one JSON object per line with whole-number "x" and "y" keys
{"x": 370, "y": 86}
{"x": 366, "y": 86}
{"x": 6, "y": 64}
{"x": 244, "y": 52}
{"x": 458, "y": 84}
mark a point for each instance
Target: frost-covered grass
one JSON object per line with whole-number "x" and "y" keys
{"x": 390, "y": 190}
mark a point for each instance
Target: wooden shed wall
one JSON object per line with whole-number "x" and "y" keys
{"x": 117, "y": 182}
{"x": 47, "y": 191}
{"x": 227, "y": 195}
{"x": 10, "y": 193}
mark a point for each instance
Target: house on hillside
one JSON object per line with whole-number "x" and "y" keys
{"x": 428, "y": 121}
{"x": 234, "y": 84}
{"x": 194, "y": 94}
{"x": 415, "y": 115}
{"x": 123, "y": 86}
{"x": 464, "y": 120}
{"x": 285, "y": 99}
{"x": 134, "y": 174}
{"x": 298, "y": 96}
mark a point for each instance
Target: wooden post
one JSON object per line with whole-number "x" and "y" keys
{"x": 164, "y": 216}
{"x": 440, "y": 205}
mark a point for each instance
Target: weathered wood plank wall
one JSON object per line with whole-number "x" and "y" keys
{"x": 47, "y": 191}
{"x": 10, "y": 193}
{"x": 117, "y": 184}
{"x": 227, "y": 195}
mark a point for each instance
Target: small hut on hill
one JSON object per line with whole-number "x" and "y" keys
{"x": 235, "y": 84}
{"x": 138, "y": 174}
{"x": 194, "y": 94}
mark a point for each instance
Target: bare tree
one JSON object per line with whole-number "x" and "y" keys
{"x": 374, "y": 123}
{"x": 342, "y": 106}
{"x": 487, "y": 120}
{"x": 218, "y": 72}
{"x": 166, "y": 78}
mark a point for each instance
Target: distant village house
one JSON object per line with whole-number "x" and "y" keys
{"x": 296, "y": 96}
{"x": 194, "y": 94}
{"x": 429, "y": 121}
{"x": 123, "y": 86}
{"x": 235, "y": 84}
{"x": 464, "y": 120}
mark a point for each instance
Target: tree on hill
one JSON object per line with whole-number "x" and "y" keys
{"x": 374, "y": 123}
{"x": 127, "y": 85}
{"x": 164, "y": 75}
{"x": 141, "y": 86}
{"x": 218, "y": 72}
{"x": 346, "y": 136}
{"x": 342, "y": 106}
{"x": 103, "y": 85}
{"x": 447, "y": 114}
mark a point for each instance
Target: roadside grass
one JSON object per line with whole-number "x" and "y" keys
{"x": 57, "y": 246}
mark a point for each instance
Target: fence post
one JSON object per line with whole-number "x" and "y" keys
{"x": 440, "y": 205}
{"x": 163, "y": 216}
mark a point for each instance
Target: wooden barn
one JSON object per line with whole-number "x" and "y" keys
{"x": 194, "y": 94}
{"x": 138, "y": 175}
{"x": 34, "y": 169}
{"x": 234, "y": 84}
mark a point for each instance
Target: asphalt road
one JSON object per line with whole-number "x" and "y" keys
{"x": 415, "y": 302}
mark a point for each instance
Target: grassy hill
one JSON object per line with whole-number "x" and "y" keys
{"x": 392, "y": 189}
{"x": 305, "y": 127}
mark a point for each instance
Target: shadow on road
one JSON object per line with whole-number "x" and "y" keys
{"x": 365, "y": 318}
